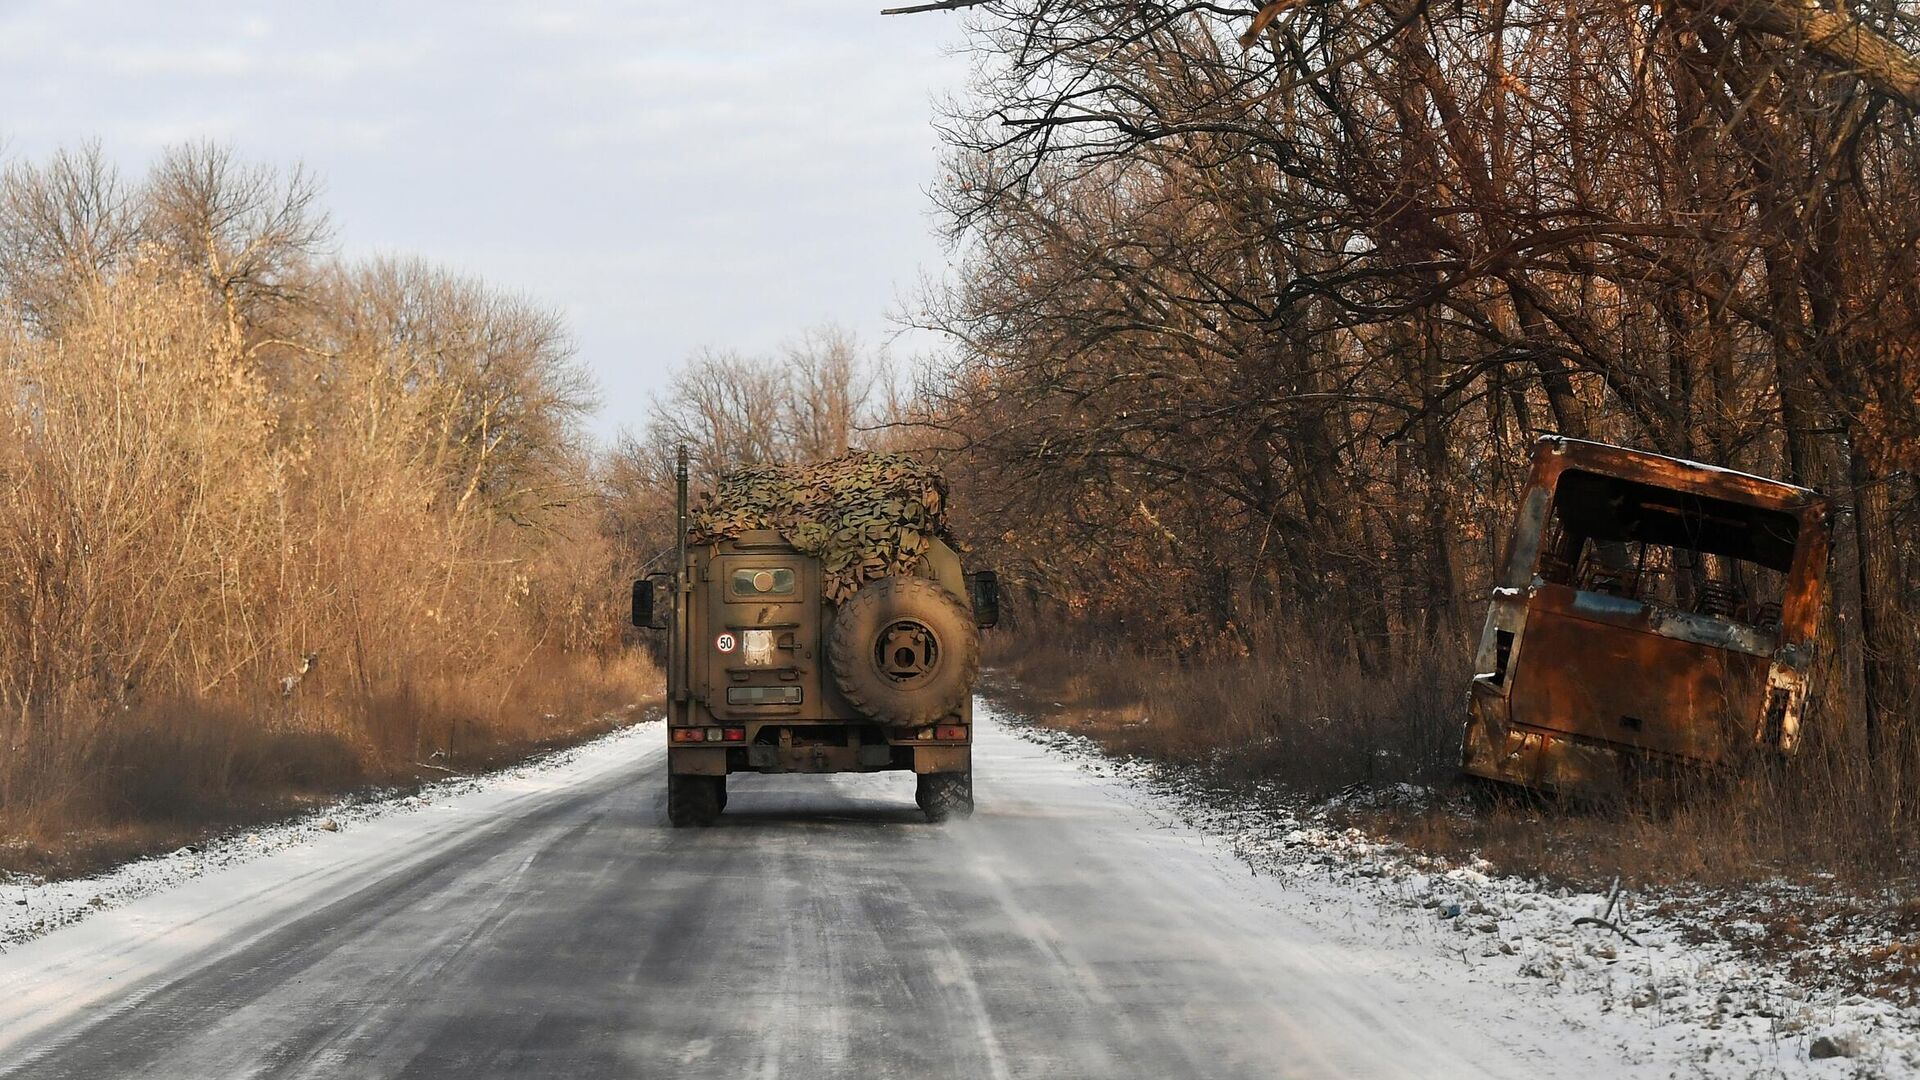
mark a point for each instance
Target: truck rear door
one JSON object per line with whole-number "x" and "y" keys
{"x": 762, "y": 622}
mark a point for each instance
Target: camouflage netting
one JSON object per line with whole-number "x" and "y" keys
{"x": 865, "y": 516}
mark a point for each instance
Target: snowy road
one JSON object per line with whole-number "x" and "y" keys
{"x": 555, "y": 927}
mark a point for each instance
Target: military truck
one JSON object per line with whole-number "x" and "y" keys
{"x": 818, "y": 621}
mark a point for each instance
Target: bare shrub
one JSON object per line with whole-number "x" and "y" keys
{"x": 272, "y": 527}
{"x": 1308, "y": 725}
{"x": 1807, "y": 819}
{"x": 1286, "y": 711}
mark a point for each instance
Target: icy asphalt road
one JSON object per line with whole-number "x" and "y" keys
{"x": 558, "y": 928}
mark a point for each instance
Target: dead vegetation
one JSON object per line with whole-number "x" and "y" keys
{"x": 1314, "y": 727}
{"x": 1256, "y": 336}
{"x": 271, "y": 525}
{"x": 1286, "y": 715}
{"x": 1776, "y": 863}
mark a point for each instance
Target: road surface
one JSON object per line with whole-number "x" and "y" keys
{"x": 821, "y": 930}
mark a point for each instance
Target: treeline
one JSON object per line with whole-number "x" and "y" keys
{"x": 819, "y": 395}
{"x": 1253, "y": 338}
{"x": 273, "y": 523}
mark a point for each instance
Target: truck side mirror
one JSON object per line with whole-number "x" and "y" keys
{"x": 983, "y": 588}
{"x": 647, "y": 612}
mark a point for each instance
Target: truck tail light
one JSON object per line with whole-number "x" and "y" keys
{"x": 951, "y": 732}
{"x": 712, "y": 734}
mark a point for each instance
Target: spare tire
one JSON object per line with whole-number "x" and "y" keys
{"x": 904, "y": 651}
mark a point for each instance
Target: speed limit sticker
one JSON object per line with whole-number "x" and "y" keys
{"x": 725, "y": 643}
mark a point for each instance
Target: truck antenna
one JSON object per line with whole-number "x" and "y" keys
{"x": 678, "y": 663}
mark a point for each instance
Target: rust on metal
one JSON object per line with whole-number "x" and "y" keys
{"x": 1650, "y": 611}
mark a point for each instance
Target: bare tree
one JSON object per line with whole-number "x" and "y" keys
{"x": 1285, "y": 316}
{"x": 250, "y": 229}
{"x": 831, "y": 385}
{"x": 230, "y": 458}
{"x": 728, "y": 409}
{"x": 491, "y": 377}
{"x": 63, "y": 224}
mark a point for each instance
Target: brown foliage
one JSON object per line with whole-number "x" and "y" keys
{"x": 1292, "y": 715}
{"x": 271, "y": 526}
{"x": 1254, "y": 338}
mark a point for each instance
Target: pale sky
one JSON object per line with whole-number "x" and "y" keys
{"x": 667, "y": 175}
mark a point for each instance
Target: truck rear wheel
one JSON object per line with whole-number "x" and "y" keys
{"x": 904, "y": 651}
{"x": 694, "y": 800}
{"x": 944, "y": 795}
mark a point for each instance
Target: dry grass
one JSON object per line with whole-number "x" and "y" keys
{"x": 223, "y": 454}
{"x": 170, "y": 773}
{"x": 1827, "y": 818}
{"x": 1316, "y": 725}
{"x": 1313, "y": 724}
{"x": 1809, "y": 864}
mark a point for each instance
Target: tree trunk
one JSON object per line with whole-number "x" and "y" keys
{"x": 1886, "y": 697}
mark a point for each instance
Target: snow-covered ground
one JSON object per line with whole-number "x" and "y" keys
{"x": 31, "y": 907}
{"x": 1086, "y": 884}
{"x": 105, "y": 940}
{"x": 1668, "y": 1005}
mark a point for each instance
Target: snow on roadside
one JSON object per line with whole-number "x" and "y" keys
{"x": 1689, "y": 1008}
{"x": 31, "y": 907}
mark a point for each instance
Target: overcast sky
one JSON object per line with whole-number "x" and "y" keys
{"x": 668, "y": 175}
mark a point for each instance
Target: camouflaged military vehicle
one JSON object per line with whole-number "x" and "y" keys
{"x": 818, "y": 621}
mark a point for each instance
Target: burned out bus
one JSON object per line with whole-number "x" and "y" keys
{"x": 1649, "y": 612}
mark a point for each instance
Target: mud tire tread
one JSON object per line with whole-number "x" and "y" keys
{"x": 694, "y": 801}
{"x": 945, "y": 795}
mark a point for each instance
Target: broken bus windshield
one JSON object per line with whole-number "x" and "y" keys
{"x": 1669, "y": 548}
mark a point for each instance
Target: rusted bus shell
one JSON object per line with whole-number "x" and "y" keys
{"x": 1577, "y": 690}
